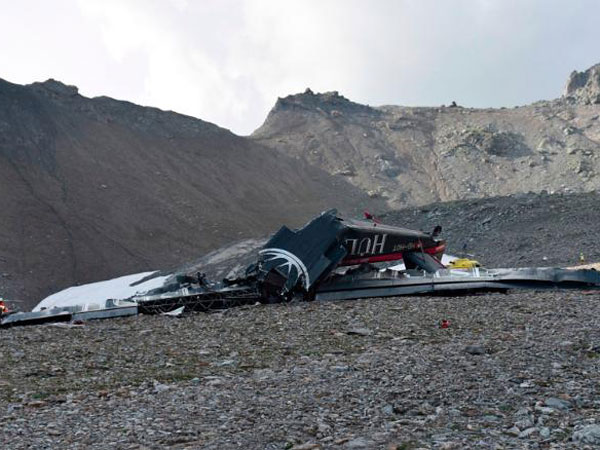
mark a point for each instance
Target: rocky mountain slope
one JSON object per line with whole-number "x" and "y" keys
{"x": 95, "y": 188}
{"x": 521, "y": 230}
{"x": 418, "y": 155}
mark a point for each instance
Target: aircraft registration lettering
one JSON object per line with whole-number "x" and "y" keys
{"x": 366, "y": 245}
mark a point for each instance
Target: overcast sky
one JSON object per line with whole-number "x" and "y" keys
{"x": 227, "y": 61}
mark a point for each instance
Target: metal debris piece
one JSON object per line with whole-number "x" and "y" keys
{"x": 392, "y": 283}
{"x": 69, "y": 313}
{"x": 175, "y": 313}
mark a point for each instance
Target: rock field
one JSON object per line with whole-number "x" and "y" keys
{"x": 518, "y": 370}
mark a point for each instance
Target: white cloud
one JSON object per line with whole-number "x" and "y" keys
{"x": 183, "y": 73}
{"x": 227, "y": 61}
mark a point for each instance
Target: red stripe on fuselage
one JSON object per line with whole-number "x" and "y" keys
{"x": 388, "y": 256}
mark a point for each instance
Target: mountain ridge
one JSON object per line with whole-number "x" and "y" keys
{"x": 418, "y": 155}
{"x": 96, "y": 188}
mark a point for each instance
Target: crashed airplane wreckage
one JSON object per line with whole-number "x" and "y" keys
{"x": 330, "y": 258}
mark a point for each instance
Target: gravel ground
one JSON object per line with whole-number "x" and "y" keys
{"x": 517, "y": 370}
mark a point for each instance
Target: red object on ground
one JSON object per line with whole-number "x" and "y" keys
{"x": 370, "y": 216}
{"x": 445, "y": 324}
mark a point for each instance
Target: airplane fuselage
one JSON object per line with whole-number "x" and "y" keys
{"x": 369, "y": 242}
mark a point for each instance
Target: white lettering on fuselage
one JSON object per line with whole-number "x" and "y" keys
{"x": 352, "y": 244}
{"x": 366, "y": 246}
{"x": 378, "y": 244}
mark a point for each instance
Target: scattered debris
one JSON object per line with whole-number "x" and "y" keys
{"x": 3, "y": 308}
{"x": 330, "y": 258}
{"x": 76, "y": 314}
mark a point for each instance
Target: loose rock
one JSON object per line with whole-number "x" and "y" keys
{"x": 589, "y": 434}
{"x": 475, "y": 349}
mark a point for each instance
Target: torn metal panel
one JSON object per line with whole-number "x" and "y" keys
{"x": 392, "y": 283}
{"x": 175, "y": 313}
{"x": 197, "y": 300}
{"x": 292, "y": 259}
{"x": 68, "y": 313}
{"x": 35, "y": 318}
{"x": 107, "y": 313}
{"x": 428, "y": 263}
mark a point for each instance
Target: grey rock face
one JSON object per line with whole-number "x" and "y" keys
{"x": 487, "y": 140}
{"x": 418, "y": 155}
{"x": 56, "y": 87}
{"x": 584, "y": 87}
